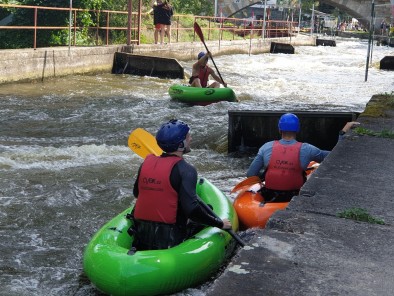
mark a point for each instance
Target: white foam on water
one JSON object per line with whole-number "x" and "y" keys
{"x": 54, "y": 158}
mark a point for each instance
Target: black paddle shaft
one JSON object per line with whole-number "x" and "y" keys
{"x": 230, "y": 231}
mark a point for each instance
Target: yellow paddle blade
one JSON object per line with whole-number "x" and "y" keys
{"x": 246, "y": 183}
{"x": 143, "y": 143}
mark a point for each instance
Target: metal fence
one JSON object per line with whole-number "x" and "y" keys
{"x": 105, "y": 27}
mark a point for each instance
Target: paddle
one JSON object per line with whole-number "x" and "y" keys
{"x": 143, "y": 143}
{"x": 230, "y": 231}
{"x": 197, "y": 29}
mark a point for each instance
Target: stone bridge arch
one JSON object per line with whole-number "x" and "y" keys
{"x": 359, "y": 9}
{"x": 229, "y": 7}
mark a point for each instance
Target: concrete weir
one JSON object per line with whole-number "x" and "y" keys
{"x": 277, "y": 47}
{"x": 308, "y": 249}
{"x": 387, "y": 63}
{"x": 125, "y": 63}
{"x": 325, "y": 42}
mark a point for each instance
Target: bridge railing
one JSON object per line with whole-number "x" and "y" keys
{"x": 246, "y": 27}
{"x": 105, "y": 27}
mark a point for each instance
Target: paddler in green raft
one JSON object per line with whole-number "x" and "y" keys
{"x": 201, "y": 72}
{"x": 158, "y": 251}
{"x": 165, "y": 189}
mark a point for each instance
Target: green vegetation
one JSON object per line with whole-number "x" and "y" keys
{"x": 381, "y": 134}
{"x": 204, "y": 7}
{"x": 389, "y": 99}
{"x": 359, "y": 214}
{"x": 379, "y": 105}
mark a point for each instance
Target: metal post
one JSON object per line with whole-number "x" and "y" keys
{"x": 35, "y": 28}
{"x": 371, "y": 28}
{"x": 139, "y": 22}
{"x": 392, "y": 13}
{"x": 265, "y": 13}
{"x": 251, "y": 33}
{"x": 373, "y": 35}
{"x": 129, "y": 22}
{"x": 221, "y": 27}
{"x": 291, "y": 24}
{"x": 313, "y": 19}
{"x": 69, "y": 28}
{"x": 107, "y": 35}
{"x": 216, "y": 8}
{"x": 299, "y": 19}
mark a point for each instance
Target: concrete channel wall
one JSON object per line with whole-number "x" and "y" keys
{"x": 29, "y": 64}
{"x": 42, "y": 63}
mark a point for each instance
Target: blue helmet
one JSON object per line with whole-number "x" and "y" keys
{"x": 171, "y": 135}
{"x": 289, "y": 123}
{"x": 200, "y": 55}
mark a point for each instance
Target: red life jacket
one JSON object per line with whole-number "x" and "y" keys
{"x": 203, "y": 75}
{"x": 157, "y": 200}
{"x": 284, "y": 171}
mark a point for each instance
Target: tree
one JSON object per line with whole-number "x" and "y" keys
{"x": 203, "y": 7}
{"x": 25, "y": 17}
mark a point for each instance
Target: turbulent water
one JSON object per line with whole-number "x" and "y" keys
{"x": 66, "y": 169}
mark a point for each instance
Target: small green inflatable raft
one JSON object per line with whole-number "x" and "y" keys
{"x": 109, "y": 267}
{"x": 201, "y": 96}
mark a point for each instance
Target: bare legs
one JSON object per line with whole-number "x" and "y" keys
{"x": 156, "y": 35}
{"x": 197, "y": 83}
{"x": 162, "y": 30}
{"x": 168, "y": 32}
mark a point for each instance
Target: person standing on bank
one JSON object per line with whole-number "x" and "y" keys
{"x": 285, "y": 161}
{"x": 162, "y": 220}
{"x": 162, "y": 14}
{"x": 201, "y": 72}
{"x": 156, "y": 7}
{"x": 167, "y": 13}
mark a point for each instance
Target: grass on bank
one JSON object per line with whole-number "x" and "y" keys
{"x": 359, "y": 214}
{"x": 382, "y": 134}
{"x": 379, "y": 105}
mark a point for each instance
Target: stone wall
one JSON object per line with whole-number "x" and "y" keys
{"x": 40, "y": 64}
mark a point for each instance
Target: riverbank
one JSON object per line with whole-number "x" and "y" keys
{"x": 308, "y": 249}
{"x": 39, "y": 64}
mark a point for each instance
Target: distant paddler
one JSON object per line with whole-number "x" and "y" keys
{"x": 201, "y": 72}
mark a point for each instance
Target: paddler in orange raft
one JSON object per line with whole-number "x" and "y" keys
{"x": 284, "y": 162}
{"x": 287, "y": 161}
